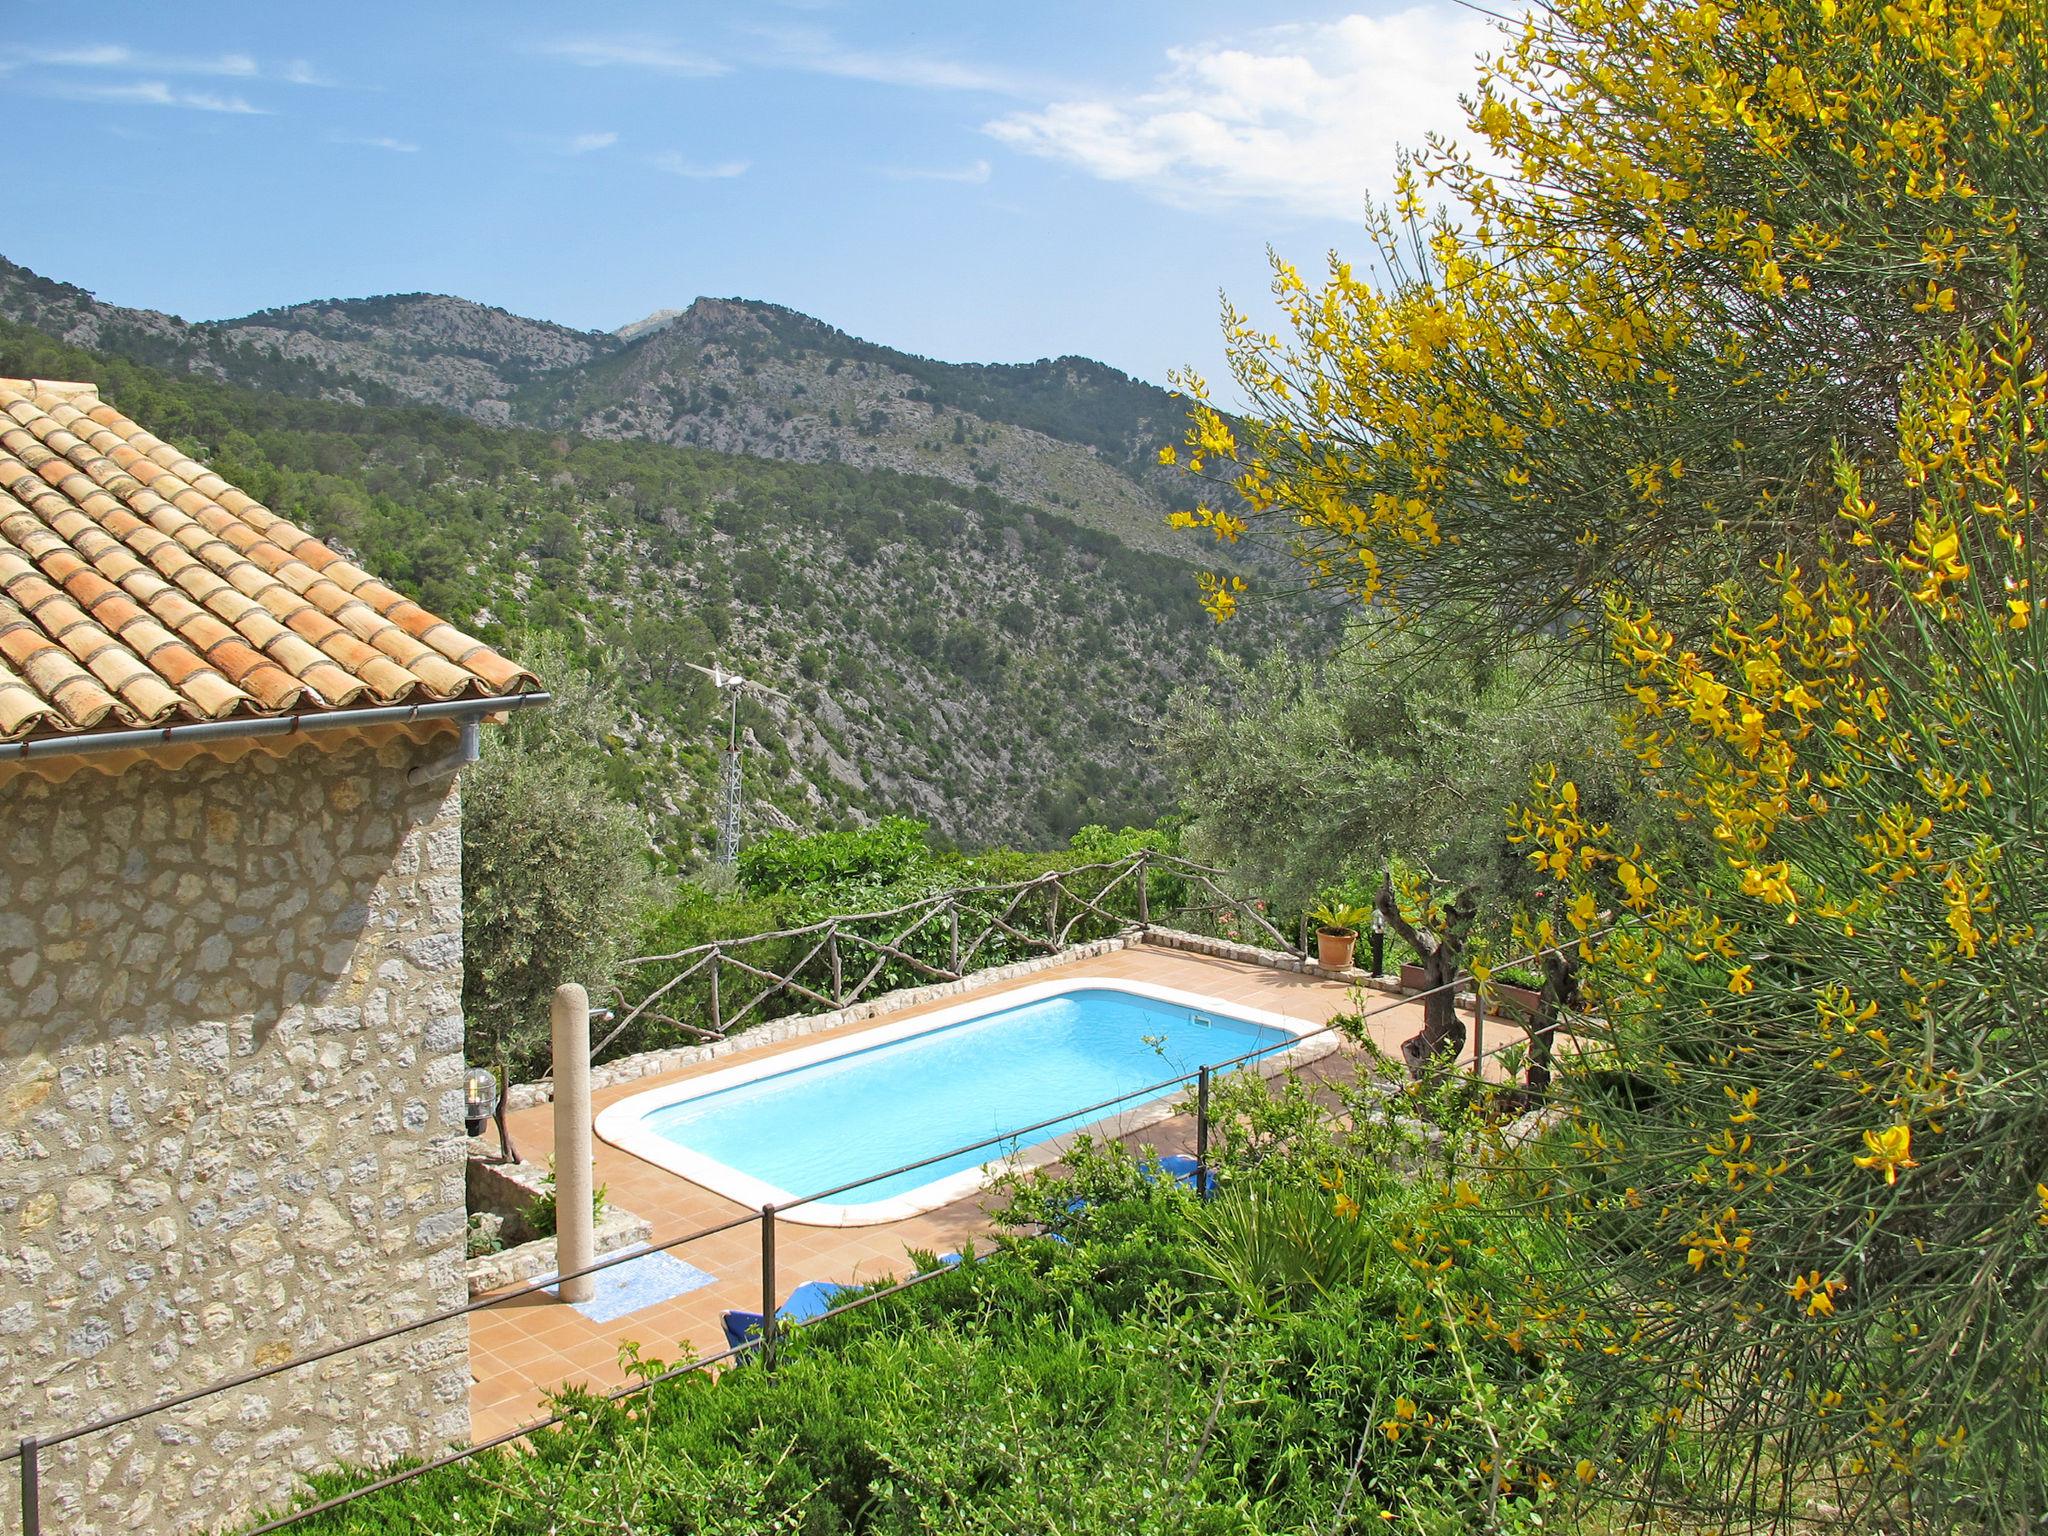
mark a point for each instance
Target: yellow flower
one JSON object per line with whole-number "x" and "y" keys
{"x": 1739, "y": 982}
{"x": 1585, "y": 1471}
{"x": 1890, "y": 1150}
{"x": 1818, "y": 1294}
{"x": 1404, "y": 1415}
{"x": 1347, "y": 1208}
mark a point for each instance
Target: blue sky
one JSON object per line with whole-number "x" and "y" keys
{"x": 974, "y": 182}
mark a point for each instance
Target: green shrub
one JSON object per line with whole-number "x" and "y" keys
{"x": 1102, "y": 1383}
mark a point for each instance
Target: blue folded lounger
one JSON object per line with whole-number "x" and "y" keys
{"x": 1179, "y": 1167}
{"x": 1182, "y": 1169}
{"x": 814, "y": 1298}
{"x": 811, "y": 1299}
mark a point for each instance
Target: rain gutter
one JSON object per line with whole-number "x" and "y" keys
{"x": 466, "y": 711}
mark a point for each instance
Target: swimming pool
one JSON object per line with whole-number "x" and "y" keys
{"x": 812, "y": 1118}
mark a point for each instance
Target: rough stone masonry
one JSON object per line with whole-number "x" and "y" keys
{"x": 230, "y": 1124}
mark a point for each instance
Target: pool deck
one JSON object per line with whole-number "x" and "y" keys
{"x": 521, "y": 1350}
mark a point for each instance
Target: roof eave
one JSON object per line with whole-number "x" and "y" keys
{"x": 146, "y": 738}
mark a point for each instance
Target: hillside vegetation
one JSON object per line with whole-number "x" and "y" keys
{"x": 987, "y": 665}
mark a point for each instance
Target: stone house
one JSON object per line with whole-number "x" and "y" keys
{"x": 231, "y": 1105}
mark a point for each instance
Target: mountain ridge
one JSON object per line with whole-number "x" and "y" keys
{"x": 1071, "y": 434}
{"x": 982, "y": 650}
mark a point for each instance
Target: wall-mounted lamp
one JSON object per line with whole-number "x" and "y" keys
{"x": 479, "y": 1099}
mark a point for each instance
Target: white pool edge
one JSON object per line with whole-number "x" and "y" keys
{"x": 623, "y": 1124}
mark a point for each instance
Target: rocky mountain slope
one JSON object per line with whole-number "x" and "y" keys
{"x": 950, "y": 648}
{"x": 1068, "y": 435}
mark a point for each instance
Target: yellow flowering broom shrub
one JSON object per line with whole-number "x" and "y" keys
{"x": 1804, "y": 1178}
{"x": 1694, "y": 246}
{"x": 1727, "y": 356}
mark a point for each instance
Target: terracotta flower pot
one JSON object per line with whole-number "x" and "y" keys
{"x": 1519, "y": 1003}
{"x": 1334, "y": 950}
{"x": 1413, "y": 977}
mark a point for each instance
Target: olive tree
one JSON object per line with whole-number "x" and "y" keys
{"x": 1395, "y": 750}
{"x": 554, "y": 866}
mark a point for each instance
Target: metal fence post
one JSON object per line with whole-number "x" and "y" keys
{"x": 31, "y": 1489}
{"x": 1202, "y": 1133}
{"x": 507, "y": 1154}
{"x": 768, "y": 1287}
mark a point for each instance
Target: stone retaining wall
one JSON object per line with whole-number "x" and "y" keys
{"x": 648, "y": 1063}
{"x": 1251, "y": 954}
{"x": 230, "y": 1125}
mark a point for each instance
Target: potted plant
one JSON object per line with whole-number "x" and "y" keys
{"x": 1337, "y": 934}
{"x": 1518, "y": 993}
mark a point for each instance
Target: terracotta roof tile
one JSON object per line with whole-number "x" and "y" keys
{"x": 139, "y": 588}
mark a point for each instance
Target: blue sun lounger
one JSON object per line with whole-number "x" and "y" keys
{"x": 814, "y": 1298}
{"x": 1179, "y": 1167}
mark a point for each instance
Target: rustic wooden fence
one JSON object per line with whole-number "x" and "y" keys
{"x": 709, "y": 990}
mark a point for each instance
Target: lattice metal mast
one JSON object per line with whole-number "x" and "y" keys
{"x": 730, "y": 684}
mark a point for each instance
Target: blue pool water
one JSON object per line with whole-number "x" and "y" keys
{"x": 817, "y": 1126}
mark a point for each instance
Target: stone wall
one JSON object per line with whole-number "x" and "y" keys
{"x": 505, "y": 1190}
{"x": 1251, "y": 954}
{"x": 230, "y": 1124}
{"x": 775, "y": 1031}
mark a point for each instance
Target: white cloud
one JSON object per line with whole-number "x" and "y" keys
{"x": 113, "y": 56}
{"x": 632, "y": 53}
{"x": 1309, "y": 117}
{"x": 699, "y": 170}
{"x": 232, "y": 66}
{"x": 976, "y": 174}
{"x": 913, "y": 70}
{"x": 299, "y": 72}
{"x": 818, "y": 52}
{"x": 154, "y": 93}
{"x": 396, "y": 146}
{"x": 585, "y": 143}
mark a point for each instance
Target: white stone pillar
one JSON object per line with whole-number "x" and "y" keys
{"x": 575, "y": 1227}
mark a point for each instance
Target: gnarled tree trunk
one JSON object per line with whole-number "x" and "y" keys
{"x": 1560, "y": 994}
{"x": 1443, "y": 1032}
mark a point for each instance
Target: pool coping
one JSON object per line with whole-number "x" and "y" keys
{"x": 622, "y": 1123}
